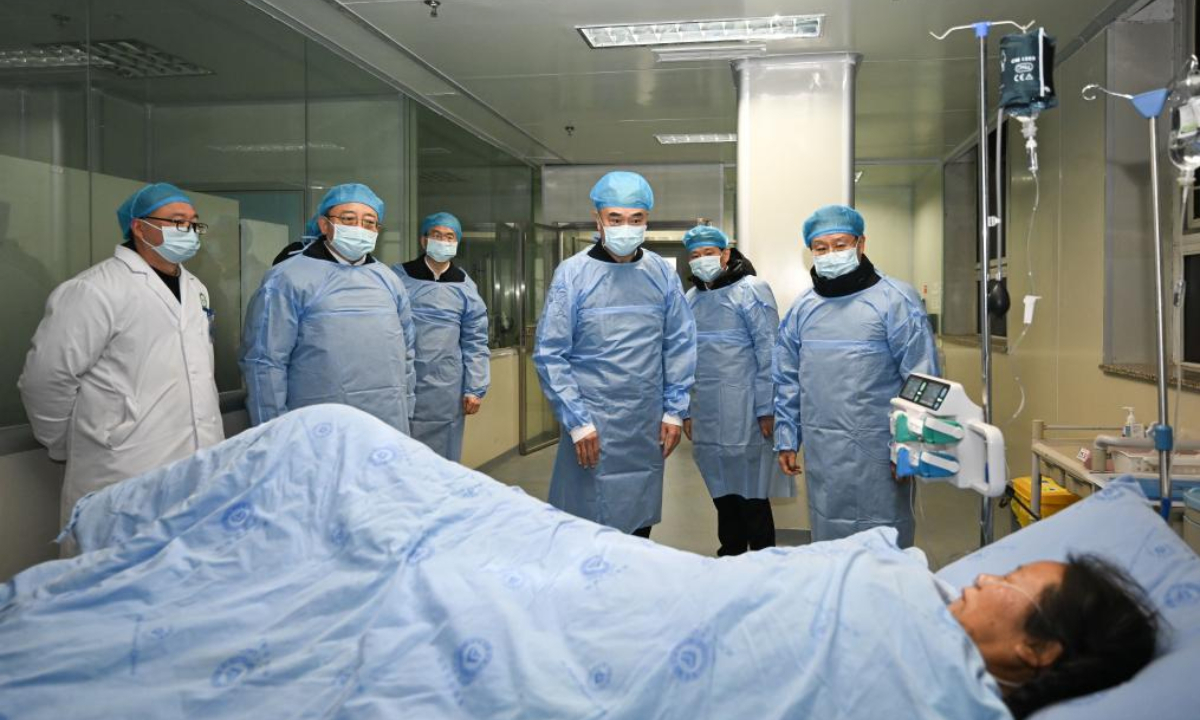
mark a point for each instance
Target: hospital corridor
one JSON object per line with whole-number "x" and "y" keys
{"x": 543, "y": 359}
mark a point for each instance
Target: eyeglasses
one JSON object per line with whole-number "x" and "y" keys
{"x": 442, "y": 237}
{"x": 352, "y": 219}
{"x": 837, "y": 246}
{"x": 181, "y": 225}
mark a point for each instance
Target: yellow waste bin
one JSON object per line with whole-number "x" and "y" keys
{"x": 1055, "y": 498}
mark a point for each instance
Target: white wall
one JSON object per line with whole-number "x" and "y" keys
{"x": 795, "y": 154}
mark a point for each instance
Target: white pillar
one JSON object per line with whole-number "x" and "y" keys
{"x": 795, "y": 154}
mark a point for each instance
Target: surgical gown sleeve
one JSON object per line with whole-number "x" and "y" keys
{"x": 762, "y": 322}
{"x": 404, "y": 307}
{"x": 473, "y": 341}
{"x": 70, "y": 339}
{"x": 910, "y": 339}
{"x": 679, "y": 350}
{"x": 786, "y": 373}
{"x": 552, "y": 354}
{"x": 267, "y": 343}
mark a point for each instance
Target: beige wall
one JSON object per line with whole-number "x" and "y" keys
{"x": 1058, "y": 360}
{"x": 888, "y": 212}
{"x": 927, "y": 239}
{"x": 494, "y": 430}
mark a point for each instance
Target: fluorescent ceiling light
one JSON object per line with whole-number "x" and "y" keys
{"x": 778, "y": 27}
{"x": 127, "y": 58}
{"x": 275, "y": 147}
{"x": 696, "y": 138}
{"x": 708, "y": 52}
{"x": 40, "y": 58}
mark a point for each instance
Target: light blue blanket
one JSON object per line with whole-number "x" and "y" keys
{"x": 325, "y": 566}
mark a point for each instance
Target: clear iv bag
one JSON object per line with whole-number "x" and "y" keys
{"x": 1183, "y": 146}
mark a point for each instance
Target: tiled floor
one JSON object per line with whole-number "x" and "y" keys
{"x": 947, "y": 518}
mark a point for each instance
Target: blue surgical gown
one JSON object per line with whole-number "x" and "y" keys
{"x": 736, "y": 327}
{"x": 838, "y": 363}
{"x": 322, "y": 332}
{"x": 616, "y": 348}
{"x": 452, "y": 358}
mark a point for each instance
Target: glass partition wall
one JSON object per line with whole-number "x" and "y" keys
{"x": 253, "y": 120}
{"x": 491, "y": 193}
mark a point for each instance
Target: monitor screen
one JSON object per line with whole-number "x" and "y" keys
{"x": 925, "y": 392}
{"x": 912, "y": 388}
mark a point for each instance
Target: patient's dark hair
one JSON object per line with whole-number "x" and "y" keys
{"x": 1107, "y": 629}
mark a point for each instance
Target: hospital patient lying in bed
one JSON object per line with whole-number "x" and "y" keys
{"x": 324, "y": 565}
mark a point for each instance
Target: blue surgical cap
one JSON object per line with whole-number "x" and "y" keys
{"x": 350, "y": 193}
{"x": 623, "y": 190}
{"x": 833, "y": 220}
{"x": 441, "y": 219}
{"x": 147, "y": 200}
{"x": 705, "y": 236}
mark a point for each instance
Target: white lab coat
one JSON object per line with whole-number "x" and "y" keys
{"x": 120, "y": 378}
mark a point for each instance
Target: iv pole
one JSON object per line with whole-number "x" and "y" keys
{"x": 1150, "y": 105}
{"x": 986, "y": 221}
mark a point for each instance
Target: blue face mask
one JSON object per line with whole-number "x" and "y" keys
{"x": 624, "y": 240}
{"x": 353, "y": 242}
{"x": 706, "y": 267}
{"x": 177, "y": 245}
{"x": 836, "y": 264}
{"x": 440, "y": 250}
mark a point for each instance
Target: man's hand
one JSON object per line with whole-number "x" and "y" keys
{"x": 787, "y": 462}
{"x": 668, "y": 437}
{"x": 687, "y": 428}
{"x": 766, "y": 424}
{"x": 471, "y": 404}
{"x": 587, "y": 451}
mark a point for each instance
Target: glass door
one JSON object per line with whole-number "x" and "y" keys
{"x": 543, "y": 253}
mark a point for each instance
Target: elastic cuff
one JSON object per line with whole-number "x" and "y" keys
{"x": 582, "y": 431}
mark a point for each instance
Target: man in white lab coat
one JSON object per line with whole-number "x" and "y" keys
{"x": 120, "y": 376}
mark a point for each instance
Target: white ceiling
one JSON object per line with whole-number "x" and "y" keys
{"x": 524, "y": 58}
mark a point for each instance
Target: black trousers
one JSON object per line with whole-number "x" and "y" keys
{"x": 743, "y": 524}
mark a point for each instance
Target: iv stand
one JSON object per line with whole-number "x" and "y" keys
{"x": 986, "y": 221}
{"x": 1150, "y": 105}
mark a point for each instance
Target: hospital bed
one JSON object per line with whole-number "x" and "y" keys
{"x": 287, "y": 573}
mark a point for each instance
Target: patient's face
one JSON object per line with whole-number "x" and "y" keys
{"x": 993, "y": 611}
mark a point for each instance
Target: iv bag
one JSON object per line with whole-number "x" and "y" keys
{"x": 1027, "y": 73}
{"x": 1183, "y": 147}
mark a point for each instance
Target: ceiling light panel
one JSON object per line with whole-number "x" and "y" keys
{"x": 127, "y": 58}
{"x": 696, "y": 138}
{"x": 779, "y": 27}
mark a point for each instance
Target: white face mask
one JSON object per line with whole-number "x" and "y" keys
{"x": 352, "y": 241}
{"x": 706, "y": 267}
{"x": 440, "y": 250}
{"x": 836, "y": 264}
{"x": 624, "y": 240}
